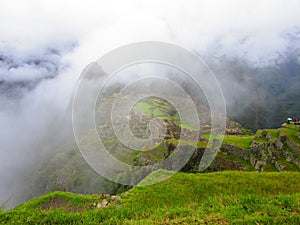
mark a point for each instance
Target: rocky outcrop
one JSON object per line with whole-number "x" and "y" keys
{"x": 293, "y": 146}
{"x": 279, "y": 167}
{"x": 267, "y": 150}
{"x": 236, "y": 151}
{"x": 106, "y": 200}
{"x": 221, "y": 163}
{"x": 290, "y": 157}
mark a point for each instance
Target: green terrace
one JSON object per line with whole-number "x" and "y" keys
{"x": 209, "y": 198}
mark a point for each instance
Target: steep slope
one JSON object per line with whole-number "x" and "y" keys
{"x": 267, "y": 150}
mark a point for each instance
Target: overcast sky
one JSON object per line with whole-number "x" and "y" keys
{"x": 254, "y": 28}
{"x": 82, "y": 31}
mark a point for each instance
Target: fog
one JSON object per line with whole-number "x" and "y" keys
{"x": 45, "y": 45}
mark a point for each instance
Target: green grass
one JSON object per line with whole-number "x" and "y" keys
{"x": 145, "y": 108}
{"x": 187, "y": 126}
{"x": 291, "y": 131}
{"x": 259, "y": 140}
{"x": 209, "y": 198}
{"x": 243, "y": 141}
{"x": 269, "y": 167}
{"x": 274, "y": 133}
{"x": 199, "y": 144}
{"x": 159, "y": 108}
{"x": 150, "y": 107}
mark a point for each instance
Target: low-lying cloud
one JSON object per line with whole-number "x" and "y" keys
{"x": 44, "y": 46}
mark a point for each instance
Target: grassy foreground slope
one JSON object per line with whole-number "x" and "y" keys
{"x": 207, "y": 198}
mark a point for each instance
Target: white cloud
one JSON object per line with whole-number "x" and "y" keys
{"x": 103, "y": 25}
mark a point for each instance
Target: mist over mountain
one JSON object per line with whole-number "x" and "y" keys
{"x": 281, "y": 80}
{"x": 251, "y": 46}
{"x": 259, "y": 97}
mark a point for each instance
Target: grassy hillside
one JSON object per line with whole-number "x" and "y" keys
{"x": 210, "y": 198}
{"x": 267, "y": 150}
